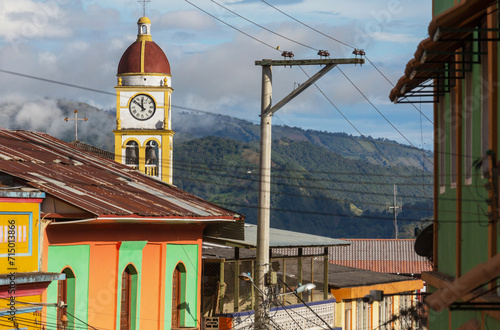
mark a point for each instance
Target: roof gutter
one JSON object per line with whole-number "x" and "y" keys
{"x": 149, "y": 220}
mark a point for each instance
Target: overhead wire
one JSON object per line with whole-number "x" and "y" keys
{"x": 307, "y": 75}
{"x": 360, "y": 132}
{"x": 231, "y": 26}
{"x": 383, "y": 116}
{"x": 345, "y": 44}
{"x": 263, "y": 27}
{"x": 76, "y": 86}
{"x": 310, "y": 27}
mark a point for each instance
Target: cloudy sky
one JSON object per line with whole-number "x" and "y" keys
{"x": 212, "y": 56}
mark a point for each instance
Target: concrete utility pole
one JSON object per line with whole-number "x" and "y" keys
{"x": 395, "y": 209}
{"x": 263, "y": 217}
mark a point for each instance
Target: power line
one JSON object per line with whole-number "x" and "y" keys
{"x": 310, "y": 27}
{"x": 231, "y": 26}
{"x": 346, "y": 44}
{"x": 263, "y": 27}
{"x": 385, "y": 118}
{"x": 353, "y": 124}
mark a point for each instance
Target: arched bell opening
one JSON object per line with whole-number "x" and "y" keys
{"x": 132, "y": 154}
{"x": 152, "y": 158}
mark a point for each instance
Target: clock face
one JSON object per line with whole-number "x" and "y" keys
{"x": 142, "y": 107}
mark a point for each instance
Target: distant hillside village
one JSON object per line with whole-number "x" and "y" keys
{"x": 129, "y": 237}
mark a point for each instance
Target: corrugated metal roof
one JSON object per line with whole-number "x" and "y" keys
{"x": 396, "y": 256}
{"x": 279, "y": 238}
{"x": 95, "y": 184}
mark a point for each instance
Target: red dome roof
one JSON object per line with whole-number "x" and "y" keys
{"x": 154, "y": 59}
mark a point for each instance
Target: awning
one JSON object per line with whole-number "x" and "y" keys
{"x": 449, "y": 32}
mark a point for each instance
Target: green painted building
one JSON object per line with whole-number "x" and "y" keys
{"x": 456, "y": 69}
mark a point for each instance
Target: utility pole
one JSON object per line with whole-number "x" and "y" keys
{"x": 263, "y": 215}
{"x": 395, "y": 209}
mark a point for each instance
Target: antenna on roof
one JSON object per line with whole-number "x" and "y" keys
{"x": 144, "y": 3}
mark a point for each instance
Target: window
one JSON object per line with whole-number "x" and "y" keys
{"x": 441, "y": 136}
{"x": 348, "y": 316}
{"x": 453, "y": 137}
{"x": 178, "y": 295}
{"x": 152, "y": 158}
{"x": 485, "y": 129}
{"x": 128, "y": 305}
{"x": 468, "y": 128}
{"x": 66, "y": 297}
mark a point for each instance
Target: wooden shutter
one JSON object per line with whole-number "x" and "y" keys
{"x": 62, "y": 295}
{"x": 176, "y": 298}
{"x": 125, "y": 301}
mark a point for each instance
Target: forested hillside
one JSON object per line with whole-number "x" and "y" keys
{"x": 331, "y": 184}
{"x": 313, "y": 190}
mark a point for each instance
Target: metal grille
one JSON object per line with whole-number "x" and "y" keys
{"x": 211, "y": 288}
{"x": 292, "y": 318}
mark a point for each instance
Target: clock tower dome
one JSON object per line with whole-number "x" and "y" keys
{"x": 143, "y": 135}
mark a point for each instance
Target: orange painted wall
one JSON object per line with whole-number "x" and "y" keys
{"x": 104, "y": 241}
{"x": 152, "y": 274}
{"x": 79, "y": 233}
{"x": 103, "y": 284}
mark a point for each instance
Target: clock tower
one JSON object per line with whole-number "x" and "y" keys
{"x": 143, "y": 135}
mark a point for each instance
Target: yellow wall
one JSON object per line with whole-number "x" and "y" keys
{"x": 19, "y": 238}
{"x": 19, "y": 242}
{"x": 30, "y": 320}
{"x": 350, "y": 296}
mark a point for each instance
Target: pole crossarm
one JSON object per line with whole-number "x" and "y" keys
{"x": 311, "y": 62}
{"x": 300, "y": 89}
{"x": 330, "y": 64}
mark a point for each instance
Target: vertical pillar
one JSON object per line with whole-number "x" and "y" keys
{"x": 284, "y": 279}
{"x": 312, "y": 277}
{"x": 492, "y": 24}
{"x": 437, "y": 171}
{"x": 263, "y": 216}
{"x": 299, "y": 269}
{"x": 221, "y": 287}
{"x": 236, "y": 279}
{"x": 325, "y": 274}
{"x": 142, "y": 159}
{"x": 118, "y": 149}
{"x": 457, "y": 126}
{"x": 253, "y": 289}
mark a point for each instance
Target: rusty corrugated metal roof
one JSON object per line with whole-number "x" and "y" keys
{"x": 95, "y": 184}
{"x": 396, "y": 256}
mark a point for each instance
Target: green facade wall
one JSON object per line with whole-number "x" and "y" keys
{"x": 447, "y": 201}
{"x": 77, "y": 257}
{"x": 130, "y": 253}
{"x": 442, "y": 5}
{"x": 187, "y": 254}
{"x": 473, "y": 211}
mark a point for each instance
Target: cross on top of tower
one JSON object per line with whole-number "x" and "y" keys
{"x": 144, "y": 3}
{"x": 76, "y": 119}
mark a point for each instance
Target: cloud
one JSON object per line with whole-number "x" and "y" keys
{"x": 190, "y": 20}
{"x": 395, "y": 37}
{"x": 213, "y": 66}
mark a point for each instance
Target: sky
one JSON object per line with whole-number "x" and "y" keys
{"x": 212, "y": 57}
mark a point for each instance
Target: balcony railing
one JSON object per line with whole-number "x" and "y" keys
{"x": 289, "y": 317}
{"x": 152, "y": 170}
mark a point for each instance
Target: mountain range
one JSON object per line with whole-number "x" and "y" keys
{"x": 331, "y": 184}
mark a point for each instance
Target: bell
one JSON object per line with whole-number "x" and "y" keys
{"x": 151, "y": 156}
{"x": 132, "y": 153}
